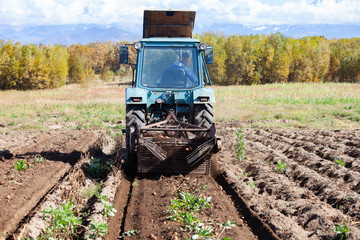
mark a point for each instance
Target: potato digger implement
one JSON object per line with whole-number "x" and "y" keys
{"x": 169, "y": 112}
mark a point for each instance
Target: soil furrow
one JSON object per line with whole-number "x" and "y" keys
{"x": 335, "y": 194}
{"x": 337, "y": 145}
{"x": 318, "y": 136}
{"x": 349, "y": 155}
{"x": 34, "y": 210}
{"x": 312, "y": 196}
{"x": 121, "y": 201}
{"x": 48, "y": 159}
{"x": 328, "y": 169}
{"x": 148, "y": 217}
{"x": 282, "y": 199}
{"x": 303, "y": 199}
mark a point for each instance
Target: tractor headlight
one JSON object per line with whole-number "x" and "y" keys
{"x": 203, "y": 46}
{"x": 137, "y": 45}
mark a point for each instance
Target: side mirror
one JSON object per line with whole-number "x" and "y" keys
{"x": 209, "y": 55}
{"x": 124, "y": 54}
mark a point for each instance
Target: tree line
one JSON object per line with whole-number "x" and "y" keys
{"x": 275, "y": 58}
{"x": 30, "y": 66}
{"x": 248, "y": 59}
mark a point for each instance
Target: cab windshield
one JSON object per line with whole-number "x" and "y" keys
{"x": 169, "y": 67}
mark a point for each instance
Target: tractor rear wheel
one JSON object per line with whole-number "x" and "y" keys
{"x": 203, "y": 115}
{"x": 135, "y": 114}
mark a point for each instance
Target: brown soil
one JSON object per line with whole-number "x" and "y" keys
{"x": 313, "y": 195}
{"x": 305, "y": 202}
{"x": 151, "y": 197}
{"x": 22, "y": 190}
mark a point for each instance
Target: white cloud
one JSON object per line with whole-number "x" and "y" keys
{"x": 260, "y": 28}
{"x": 250, "y": 13}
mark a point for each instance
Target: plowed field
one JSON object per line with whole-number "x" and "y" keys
{"x": 313, "y": 194}
{"x": 293, "y": 184}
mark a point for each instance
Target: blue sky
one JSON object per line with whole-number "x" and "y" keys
{"x": 249, "y": 13}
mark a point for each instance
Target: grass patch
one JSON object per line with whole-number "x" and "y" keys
{"x": 99, "y": 106}
{"x": 327, "y": 106}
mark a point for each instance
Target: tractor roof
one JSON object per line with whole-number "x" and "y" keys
{"x": 170, "y": 40}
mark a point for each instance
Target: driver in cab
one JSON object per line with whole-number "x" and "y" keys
{"x": 183, "y": 64}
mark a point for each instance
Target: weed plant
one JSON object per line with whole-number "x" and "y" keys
{"x": 62, "y": 221}
{"x": 240, "y": 145}
{"x": 281, "y": 168}
{"x": 129, "y": 233}
{"x": 38, "y": 159}
{"x": 96, "y": 168}
{"x": 350, "y": 199}
{"x": 203, "y": 186}
{"x": 185, "y": 210}
{"x": 246, "y": 174}
{"x": 109, "y": 209}
{"x": 97, "y": 229}
{"x": 20, "y": 165}
{"x": 340, "y": 231}
{"x": 250, "y": 184}
{"x": 339, "y": 161}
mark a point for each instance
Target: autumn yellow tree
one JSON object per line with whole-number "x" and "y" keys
{"x": 217, "y": 69}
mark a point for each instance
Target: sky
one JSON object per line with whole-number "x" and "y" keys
{"x": 208, "y": 12}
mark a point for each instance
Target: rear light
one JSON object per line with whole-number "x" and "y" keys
{"x": 136, "y": 99}
{"x": 203, "y": 99}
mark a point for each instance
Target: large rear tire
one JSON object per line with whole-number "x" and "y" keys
{"x": 135, "y": 114}
{"x": 203, "y": 115}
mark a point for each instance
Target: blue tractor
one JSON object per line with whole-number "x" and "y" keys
{"x": 169, "y": 108}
